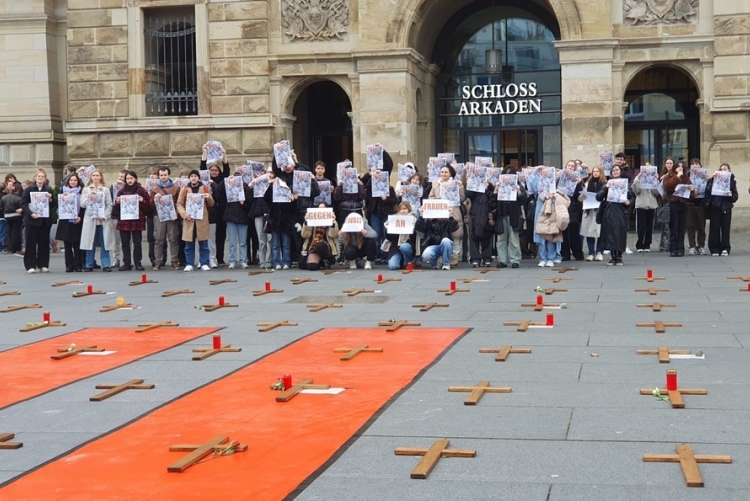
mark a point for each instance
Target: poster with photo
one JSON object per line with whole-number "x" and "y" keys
{"x": 95, "y": 206}
{"x": 205, "y": 177}
{"x": 449, "y": 190}
{"x": 116, "y": 187}
{"x": 649, "y": 177}
{"x": 698, "y": 178}
{"x": 258, "y": 168}
{"x": 374, "y": 156}
{"x": 683, "y": 190}
{"x": 547, "y": 180}
{"x": 84, "y": 173}
{"x": 349, "y": 180}
{"x": 493, "y": 175}
{"x": 150, "y": 185}
{"x": 607, "y": 159}
{"x": 213, "y": 152}
{"x": 582, "y": 171}
{"x": 506, "y": 188}
{"x": 476, "y": 175}
{"x": 194, "y": 205}
{"x": 281, "y": 192}
{"x": 485, "y": 162}
{"x": 405, "y": 172}
{"x": 39, "y": 203}
{"x": 282, "y": 152}
{"x": 181, "y": 182}
{"x": 302, "y": 183}
{"x": 412, "y": 193}
{"x": 245, "y": 172}
{"x": 459, "y": 168}
{"x": 324, "y": 197}
{"x": 527, "y": 172}
{"x": 260, "y": 185}
{"x": 346, "y": 164}
{"x": 165, "y": 208}
{"x": 618, "y": 190}
{"x": 448, "y": 157}
{"x": 722, "y": 185}
{"x": 129, "y": 208}
{"x": 433, "y": 169}
{"x": 567, "y": 182}
{"x": 235, "y": 189}
{"x": 67, "y": 206}
{"x": 380, "y": 183}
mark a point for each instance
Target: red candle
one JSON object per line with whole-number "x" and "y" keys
{"x": 671, "y": 380}
{"x": 649, "y": 273}
{"x": 453, "y": 285}
{"x": 144, "y": 278}
{"x": 90, "y": 289}
{"x": 268, "y": 286}
{"x": 221, "y": 300}
{"x": 410, "y": 266}
{"x": 550, "y": 319}
{"x": 217, "y": 341}
{"x": 287, "y": 381}
{"x": 380, "y": 278}
{"x": 539, "y": 300}
{"x": 748, "y": 287}
{"x": 46, "y": 317}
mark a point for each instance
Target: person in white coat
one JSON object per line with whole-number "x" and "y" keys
{"x": 96, "y": 199}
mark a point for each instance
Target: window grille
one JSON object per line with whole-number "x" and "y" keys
{"x": 171, "y": 83}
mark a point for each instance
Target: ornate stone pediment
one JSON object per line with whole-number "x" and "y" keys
{"x": 314, "y": 20}
{"x": 647, "y": 12}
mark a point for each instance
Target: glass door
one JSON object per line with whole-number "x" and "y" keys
{"x": 481, "y": 144}
{"x": 651, "y": 145}
{"x": 516, "y": 147}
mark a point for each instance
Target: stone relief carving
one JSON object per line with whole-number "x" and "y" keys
{"x": 314, "y": 20}
{"x": 647, "y": 12}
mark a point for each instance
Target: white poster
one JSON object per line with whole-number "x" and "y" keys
{"x": 283, "y": 154}
{"x": 260, "y": 185}
{"x": 353, "y": 223}
{"x": 95, "y": 206}
{"x": 436, "y": 209}
{"x": 649, "y": 177}
{"x": 235, "y": 189}
{"x": 165, "y": 208}
{"x": 506, "y": 188}
{"x": 374, "y": 156}
{"x": 282, "y": 194}
{"x": 194, "y": 205}
{"x": 618, "y": 190}
{"x": 302, "y": 183}
{"x": 380, "y": 184}
{"x": 129, "y": 208}
{"x": 325, "y": 193}
{"x": 67, "y": 205}
{"x": 39, "y": 203}
{"x": 400, "y": 225}
{"x": 213, "y": 152}
{"x": 320, "y": 217}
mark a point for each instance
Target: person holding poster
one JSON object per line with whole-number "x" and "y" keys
{"x": 572, "y": 244}
{"x": 36, "y": 257}
{"x": 213, "y": 154}
{"x": 195, "y": 229}
{"x": 547, "y": 248}
{"x": 236, "y": 218}
{"x": 590, "y": 229}
{"x": 482, "y": 225}
{"x": 437, "y": 239}
{"x": 403, "y": 245}
{"x": 349, "y": 202}
{"x": 259, "y": 211}
{"x": 97, "y": 227}
{"x": 677, "y": 209}
{"x": 719, "y": 208}
{"x": 326, "y": 186}
{"x": 379, "y": 206}
{"x": 132, "y": 229}
{"x": 320, "y": 247}
{"x": 166, "y": 231}
{"x": 508, "y": 222}
{"x": 614, "y": 232}
{"x": 645, "y": 207}
{"x": 358, "y": 244}
{"x": 696, "y": 212}
{"x": 447, "y": 173}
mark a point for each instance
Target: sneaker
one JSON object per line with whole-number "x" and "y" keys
{"x": 31, "y": 271}
{"x": 542, "y": 264}
{"x": 231, "y": 266}
{"x": 446, "y": 267}
{"x": 701, "y": 251}
{"x": 18, "y": 254}
{"x": 715, "y": 254}
{"x": 45, "y": 270}
{"x": 188, "y": 268}
{"x": 612, "y": 262}
{"x": 619, "y": 262}
{"x": 639, "y": 251}
{"x": 692, "y": 251}
{"x": 353, "y": 265}
{"x": 277, "y": 267}
{"x": 599, "y": 257}
{"x": 368, "y": 266}
{"x": 475, "y": 264}
{"x": 589, "y": 258}
{"x": 213, "y": 263}
{"x": 724, "y": 253}
{"x": 501, "y": 265}
{"x": 628, "y": 251}
{"x": 125, "y": 267}
{"x": 206, "y": 267}
{"x": 515, "y": 265}
{"x": 107, "y": 269}
{"x": 646, "y": 250}
{"x": 550, "y": 264}
{"x": 487, "y": 264}
{"x": 558, "y": 261}
{"x": 285, "y": 267}
{"x": 138, "y": 267}
{"x": 117, "y": 264}
{"x": 244, "y": 266}
{"x": 606, "y": 253}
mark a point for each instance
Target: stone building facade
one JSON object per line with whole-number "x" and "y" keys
{"x": 78, "y": 82}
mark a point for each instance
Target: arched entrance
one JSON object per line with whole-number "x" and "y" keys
{"x": 498, "y": 93}
{"x": 661, "y": 118}
{"x": 323, "y": 129}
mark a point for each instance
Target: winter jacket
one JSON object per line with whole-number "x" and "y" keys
{"x": 435, "y": 192}
{"x": 481, "y": 207}
{"x": 331, "y": 237}
{"x": 135, "y": 224}
{"x": 670, "y": 183}
{"x": 170, "y": 189}
{"x": 553, "y": 218}
{"x": 215, "y": 212}
{"x": 26, "y": 200}
{"x": 513, "y": 209}
{"x": 200, "y": 227}
{"x": 236, "y": 212}
{"x": 435, "y": 230}
{"x": 720, "y": 203}
{"x": 89, "y": 224}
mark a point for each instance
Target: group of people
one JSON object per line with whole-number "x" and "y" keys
{"x": 193, "y": 213}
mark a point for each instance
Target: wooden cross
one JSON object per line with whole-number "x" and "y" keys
{"x": 258, "y": 272}
{"x": 300, "y": 281}
{"x": 148, "y": 327}
{"x": 304, "y": 384}
{"x": 62, "y": 284}
{"x": 264, "y": 292}
{"x": 564, "y": 270}
{"x": 20, "y": 307}
{"x": 174, "y": 293}
{"x": 431, "y": 456}
{"x": 198, "y": 452}
{"x": 552, "y": 290}
{"x": 141, "y": 282}
{"x": 540, "y": 307}
{"x": 647, "y": 279}
{"x": 331, "y": 272}
{"x": 112, "y": 307}
{"x": 353, "y": 352}
{"x": 224, "y": 281}
{"x": 313, "y": 308}
{"x": 675, "y": 396}
{"x": 114, "y": 389}
{"x": 478, "y": 391}
{"x": 406, "y": 272}
{"x": 386, "y": 280}
{"x": 688, "y": 462}
{"x": 663, "y": 353}
{"x": 428, "y": 307}
{"x": 659, "y": 326}
{"x": 504, "y": 352}
{"x": 210, "y": 352}
{"x": 87, "y": 293}
{"x": 470, "y": 280}
{"x": 4, "y": 444}
{"x": 524, "y": 325}
{"x": 652, "y": 291}
{"x": 657, "y": 306}
{"x": 355, "y": 292}
{"x": 394, "y": 325}
{"x": 267, "y": 326}
{"x": 556, "y": 280}
{"x": 12, "y": 293}
{"x": 744, "y": 278}
{"x": 32, "y": 326}
{"x": 449, "y": 292}
{"x": 214, "y": 307}
{"x": 3, "y": 283}
{"x": 484, "y": 271}
{"x": 67, "y": 352}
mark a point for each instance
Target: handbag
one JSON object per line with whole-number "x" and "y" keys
{"x": 600, "y": 212}
{"x": 662, "y": 213}
{"x": 499, "y": 225}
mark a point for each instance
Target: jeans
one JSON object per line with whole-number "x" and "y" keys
{"x": 203, "y": 253}
{"x": 377, "y": 222}
{"x": 404, "y": 255}
{"x": 3, "y": 228}
{"x": 590, "y": 242}
{"x": 508, "y": 245}
{"x": 444, "y": 250}
{"x": 103, "y": 252}
{"x": 280, "y": 244}
{"x": 264, "y": 242}
{"x": 547, "y": 251}
{"x": 235, "y": 232}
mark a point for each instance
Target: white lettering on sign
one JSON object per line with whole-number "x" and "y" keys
{"x": 510, "y": 99}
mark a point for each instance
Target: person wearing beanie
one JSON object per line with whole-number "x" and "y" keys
{"x": 195, "y": 229}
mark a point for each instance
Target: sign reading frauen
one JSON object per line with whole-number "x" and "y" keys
{"x": 507, "y": 99}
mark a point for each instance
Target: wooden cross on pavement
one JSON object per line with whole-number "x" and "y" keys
{"x": 198, "y": 452}
{"x": 504, "y": 351}
{"x": 87, "y": 293}
{"x": 657, "y": 306}
{"x": 269, "y": 291}
{"x": 353, "y": 352}
{"x": 431, "y": 456}
{"x": 258, "y": 272}
{"x": 478, "y": 391}
{"x": 744, "y": 278}
{"x": 524, "y": 325}
{"x": 314, "y": 308}
{"x": 540, "y": 307}
{"x": 663, "y": 353}
{"x": 688, "y": 462}
{"x": 659, "y": 326}
{"x": 148, "y": 327}
{"x": 470, "y": 280}
{"x": 214, "y": 307}
{"x": 63, "y": 284}
{"x": 556, "y": 280}
{"x": 32, "y": 326}
{"x": 428, "y": 307}
{"x": 224, "y": 281}
{"x": 20, "y": 307}
{"x": 355, "y": 292}
{"x": 675, "y": 396}
{"x": 304, "y": 384}
{"x": 141, "y": 282}
{"x": 650, "y": 279}
{"x": 386, "y": 280}
{"x": 484, "y": 271}
{"x": 11, "y": 293}
{"x": 551, "y": 290}
{"x": 394, "y": 325}
{"x": 407, "y": 272}
{"x": 174, "y": 293}
{"x": 450, "y": 292}
{"x": 267, "y": 326}
{"x": 652, "y": 291}
{"x": 210, "y": 352}
{"x": 112, "y": 307}
{"x": 114, "y": 389}
{"x": 5, "y": 444}
{"x": 564, "y": 270}
{"x": 67, "y": 352}
{"x": 300, "y": 281}
{"x": 331, "y": 272}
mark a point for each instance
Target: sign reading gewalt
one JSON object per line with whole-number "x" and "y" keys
{"x": 500, "y": 99}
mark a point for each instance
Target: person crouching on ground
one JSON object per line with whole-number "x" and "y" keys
{"x": 358, "y": 244}
{"x": 402, "y": 246}
{"x": 436, "y": 241}
{"x": 320, "y": 248}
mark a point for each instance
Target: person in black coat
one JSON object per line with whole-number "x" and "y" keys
{"x": 236, "y": 218}
{"x": 572, "y": 244}
{"x": 719, "y": 208}
{"x": 436, "y": 240}
{"x": 482, "y": 231}
{"x": 69, "y": 230}
{"x": 218, "y": 226}
{"x": 508, "y": 223}
{"x": 37, "y": 226}
{"x": 614, "y": 232}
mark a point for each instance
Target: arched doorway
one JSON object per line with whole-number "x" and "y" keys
{"x": 661, "y": 118}
{"x": 498, "y": 93}
{"x": 323, "y": 129}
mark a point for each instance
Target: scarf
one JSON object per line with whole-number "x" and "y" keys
{"x": 162, "y": 185}
{"x": 77, "y": 191}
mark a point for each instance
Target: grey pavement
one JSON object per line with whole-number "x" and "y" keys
{"x": 574, "y": 426}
